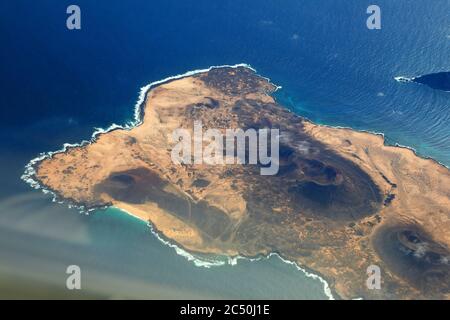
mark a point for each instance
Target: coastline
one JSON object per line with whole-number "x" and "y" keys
{"x": 383, "y": 137}
{"x": 29, "y": 174}
{"x": 416, "y": 79}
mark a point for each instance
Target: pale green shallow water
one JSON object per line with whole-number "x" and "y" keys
{"x": 120, "y": 258}
{"x": 334, "y": 71}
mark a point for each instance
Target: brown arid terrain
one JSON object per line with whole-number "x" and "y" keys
{"x": 341, "y": 201}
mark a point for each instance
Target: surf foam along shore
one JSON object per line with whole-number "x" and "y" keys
{"x": 29, "y": 172}
{"x": 383, "y": 136}
{"x": 136, "y": 122}
{"x": 206, "y": 262}
{"x": 404, "y": 79}
{"x": 29, "y": 177}
{"x": 202, "y": 262}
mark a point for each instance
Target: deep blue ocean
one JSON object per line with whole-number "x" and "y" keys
{"x": 57, "y": 85}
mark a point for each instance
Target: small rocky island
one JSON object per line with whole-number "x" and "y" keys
{"x": 341, "y": 201}
{"x": 437, "y": 81}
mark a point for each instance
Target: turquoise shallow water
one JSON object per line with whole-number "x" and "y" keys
{"x": 120, "y": 258}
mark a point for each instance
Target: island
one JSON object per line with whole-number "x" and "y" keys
{"x": 341, "y": 201}
{"x": 437, "y": 81}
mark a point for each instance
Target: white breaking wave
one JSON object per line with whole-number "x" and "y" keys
{"x": 198, "y": 262}
{"x": 204, "y": 262}
{"x": 29, "y": 177}
{"x": 404, "y": 79}
{"x": 409, "y": 80}
{"x": 384, "y": 142}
